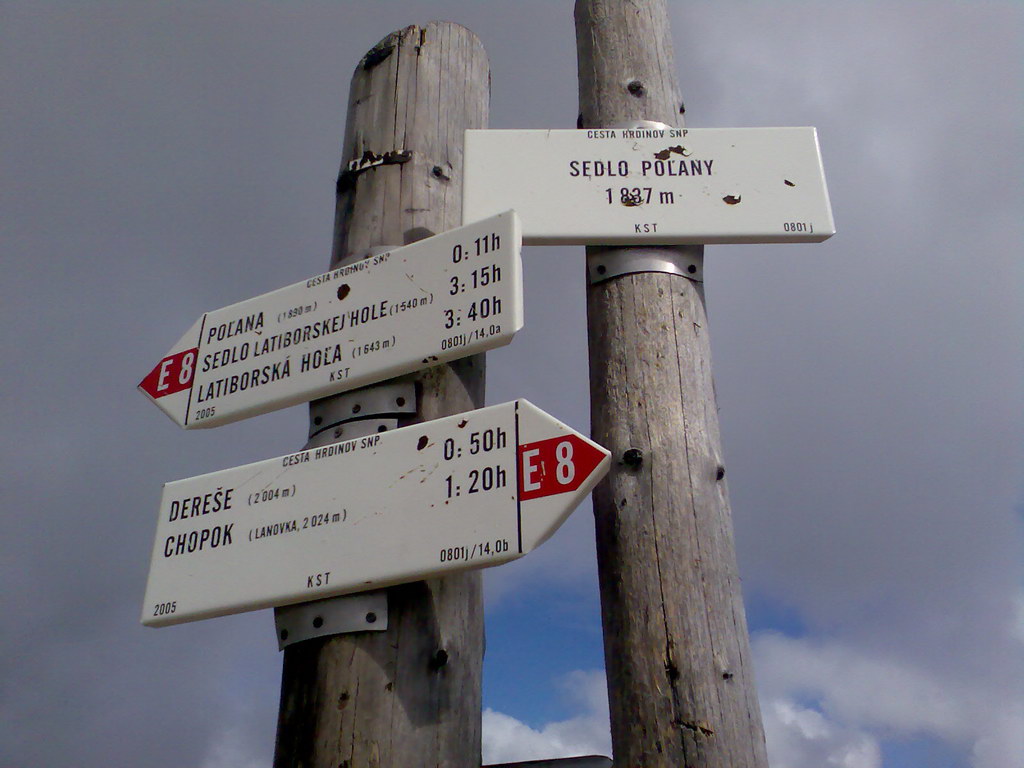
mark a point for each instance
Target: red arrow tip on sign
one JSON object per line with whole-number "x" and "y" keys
{"x": 556, "y": 465}
{"x": 172, "y": 374}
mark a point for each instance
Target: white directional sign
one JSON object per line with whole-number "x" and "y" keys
{"x": 468, "y": 491}
{"x": 446, "y": 297}
{"x": 619, "y": 186}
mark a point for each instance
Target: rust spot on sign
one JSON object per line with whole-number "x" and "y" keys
{"x": 463, "y": 423}
{"x": 633, "y": 200}
{"x": 422, "y": 443}
{"x": 666, "y": 153}
{"x": 343, "y": 291}
{"x": 788, "y": 183}
{"x": 732, "y": 199}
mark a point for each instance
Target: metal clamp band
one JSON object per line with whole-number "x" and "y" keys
{"x": 380, "y": 404}
{"x": 350, "y": 430}
{"x": 368, "y": 160}
{"x": 361, "y": 612}
{"x": 606, "y": 263}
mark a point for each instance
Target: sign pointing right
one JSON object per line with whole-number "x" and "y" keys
{"x": 556, "y": 465}
{"x": 468, "y": 491}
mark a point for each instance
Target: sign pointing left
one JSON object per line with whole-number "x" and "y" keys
{"x": 439, "y": 299}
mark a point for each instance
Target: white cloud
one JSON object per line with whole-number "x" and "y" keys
{"x": 803, "y": 738}
{"x": 1018, "y": 625}
{"x": 234, "y": 748}
{"x": 506, "y": 739}
{"x": 864, "y": 697}
{"x": 1003, "y": 744}
{"x": 860, "y": 698}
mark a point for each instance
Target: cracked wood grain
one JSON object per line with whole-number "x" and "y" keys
{"x": 677, "y": 651}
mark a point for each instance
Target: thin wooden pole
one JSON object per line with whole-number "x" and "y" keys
{"x": 677, "y": 652}
{"x": 408, "y": 696}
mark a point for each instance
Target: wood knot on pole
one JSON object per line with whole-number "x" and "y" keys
{"x": 439, "y": 660}
{"x": 636, "y": 88}
{"x": 633, "y": 458}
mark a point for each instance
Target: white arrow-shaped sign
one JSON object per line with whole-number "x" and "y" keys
{"x": 439, "y": 299}
{"x": 468, "y": 491}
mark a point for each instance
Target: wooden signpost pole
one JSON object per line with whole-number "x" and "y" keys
{"x": 410, "y": 695}
{"x": 676, "y": 645}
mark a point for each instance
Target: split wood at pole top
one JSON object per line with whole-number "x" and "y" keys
{"x": 677, "y": 650}
{"x": 410, "y": 695}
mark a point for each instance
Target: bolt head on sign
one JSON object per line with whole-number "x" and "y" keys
{"x": 439, "y": 299}
{"x": 469, "y": 491}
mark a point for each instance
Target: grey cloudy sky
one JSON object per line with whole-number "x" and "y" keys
{"x": 158, "y": 160}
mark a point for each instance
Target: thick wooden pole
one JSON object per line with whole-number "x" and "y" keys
{"x": 677, "y": 651}
{"x": 409, "y": 696}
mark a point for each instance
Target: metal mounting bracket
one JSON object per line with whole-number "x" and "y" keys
{"x": 606, "y": 263}
{"x": 361, "y": 612}
{"x": 360, "y": 412}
